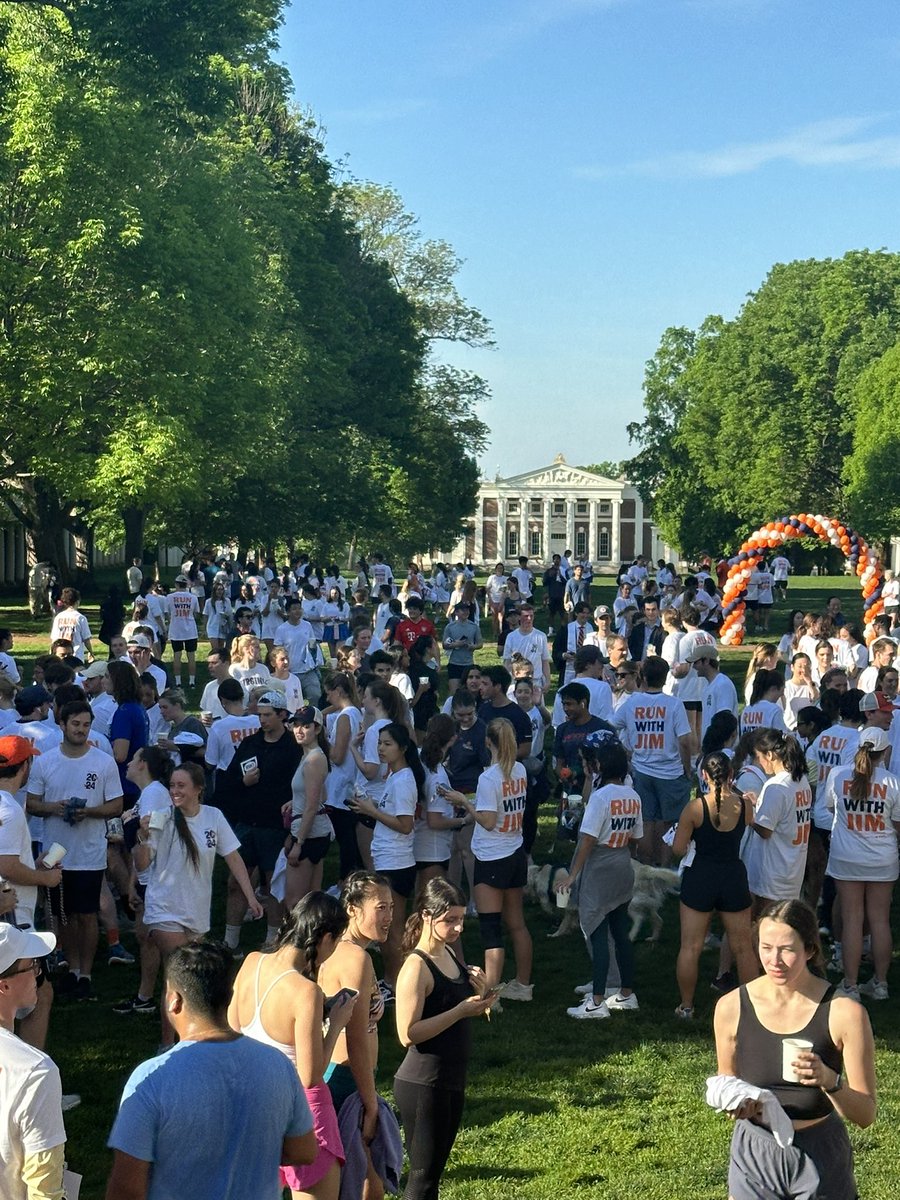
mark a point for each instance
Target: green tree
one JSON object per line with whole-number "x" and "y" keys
{"x": 874, "y": 465}
{"x": 607, "y": 468}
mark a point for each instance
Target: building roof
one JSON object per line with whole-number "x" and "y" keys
{"x": 558, "y": 473}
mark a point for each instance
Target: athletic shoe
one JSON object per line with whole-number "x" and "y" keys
{"x": 875, "y": 989}
{"x": 118, "y": 954}
{"x": 726, "y": 982}
{"x": 387, "y": 992}
{"x": 589, "y": 1011}
{"x": 619, "y": 1003}
{"x": 686, "y": 1014}
{"x": 72, "y": 1100}
{"x": 471, "y": 910}
{"x": 517, "y": 991}
{"x": 850, "y": 990}
{"x": 68, "y": 985}
{"x": 134, "y": 1005}
{"x": 837, "y": 960}
{"x": 83, "y": 990}
{"x": 712, "y": 942}
{"x": 587, "y": 989}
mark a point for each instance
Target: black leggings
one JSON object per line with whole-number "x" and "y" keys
{"x": 344, "y": 823}
{"x": 431, "y": 1117}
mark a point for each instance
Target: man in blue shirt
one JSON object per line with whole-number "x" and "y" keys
{"x": 215, "y": 1116}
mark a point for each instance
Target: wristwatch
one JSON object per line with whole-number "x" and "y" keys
{"x": 838, "y": 1084}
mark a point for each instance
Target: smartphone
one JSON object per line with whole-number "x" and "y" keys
{"x": 345, "y": 993}
{"x": 249, "y": 765}
{"x": 492, "y": 993}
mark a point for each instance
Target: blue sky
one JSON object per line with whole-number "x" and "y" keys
{"x": 608, "y": 168}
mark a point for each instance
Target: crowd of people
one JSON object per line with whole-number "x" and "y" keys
{"x": 352, "y": 714}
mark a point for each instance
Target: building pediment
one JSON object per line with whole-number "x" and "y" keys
{"x": 559, "y": 475}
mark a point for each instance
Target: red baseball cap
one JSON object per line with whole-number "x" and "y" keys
{"x": 15, "y": 750}
{"x": 871, "y": 702}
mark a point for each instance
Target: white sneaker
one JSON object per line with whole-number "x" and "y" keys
{"x": 517, "y": 991}
{"x": 712, "y": 942}
{"x": 587, "y": 989}
{"x": 619, "y": 1003}
{"x": 875, "y": 989}
{"x": 70, "y": 1101}
{"x": 850, "y": 990}
{"x": 589, "y": 1011}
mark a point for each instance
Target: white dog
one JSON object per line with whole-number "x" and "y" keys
{"x": 651, "y": 886}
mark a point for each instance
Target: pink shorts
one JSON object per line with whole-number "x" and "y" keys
{"x": 328, "y": 1137}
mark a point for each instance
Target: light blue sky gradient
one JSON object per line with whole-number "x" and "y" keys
{"x": 608, "y": 168}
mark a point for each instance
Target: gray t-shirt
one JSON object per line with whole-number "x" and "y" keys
{"x": 462, "y": 656}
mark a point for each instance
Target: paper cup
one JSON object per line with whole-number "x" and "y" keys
{"x": 562, "y": 898}
{"x": 158, "y": 819}
{"x": 54, "y": 855}
{"x": 790, "y": 1048}
{"x": 162, "y": 737}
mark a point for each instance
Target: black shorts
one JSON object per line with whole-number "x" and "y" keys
{"x": 188, "y": 644}
{"x": 752, "y": 604}
{"x": 314, "y": 849}
{"x": 503, "y": 873}
{"x": 708, "y": 886}
{"x": 421, "y": 866}
{"x": 402, "y": 881}
{"x": 782, "y": 583}
{"x": 260, "y": 846}
{"x": 693, "y": 705}
{"x": 455, "y": 670}
{"x": 556, "y": 608}
{"x": 80, "y": 893}
{"x": 764, "y": 604}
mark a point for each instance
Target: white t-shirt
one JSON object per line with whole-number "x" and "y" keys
{"x": 224, "y": 738}
{"x": 209, "y": 701}
{"x": 295, "y": 639}
{"x": 154, "y": 798}
{"x": 600, "y": 705}
{"x": 156, "y": 611}
{"x": 777, "y": 864}
{"x": 496, "y": 588}
{"x": 612, "y": 815}
{"x": 533, "y": 646}
{"x": 373, "y": 787}
{"x": 719, "y": 696}
{"x": 342, "y": 775}
{"x": 753, "y": 585}
{"x": 796, "y": 696}
{"x": 15, "y": 841}
{"x": 764, "y": 714}
{"x": 863, "y": 838}
{"x": 258, "y": 675}
{"x": 8, "y": 667}
{"x": 780, "y": 568}
{"x": 93, "y": 777}
{"x": 176, "y": 891}
{"x": 835, "y": 747}
{"x": 867, "y": 679}
{"x": 30, "y": 1110}
{"x": 72, "y": 625}
{"x": 691, "y": 687}
{"x": 183, "y": 609}
{"x": 523, "y": 578}
{"x": 506, "y": 797}
{"x": 764, "y": 583}
{"x": 434, "y": 845}
{"x": 392, "y": 850}
{"x": 650, "y": 724}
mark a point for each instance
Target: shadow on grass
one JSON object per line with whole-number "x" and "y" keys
{"x": 461, "y": 1174}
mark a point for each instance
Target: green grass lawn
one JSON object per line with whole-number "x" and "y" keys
{"x": 555, "y": 1108}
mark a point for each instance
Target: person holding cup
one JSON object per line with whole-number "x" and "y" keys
{"x": 788, "y": 1032}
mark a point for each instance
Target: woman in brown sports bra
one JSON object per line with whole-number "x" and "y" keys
{"x": 369, "y": 904}
{"x": 834, "y": 1082}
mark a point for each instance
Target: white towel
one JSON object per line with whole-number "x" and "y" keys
{"x": 724, "y": 1093}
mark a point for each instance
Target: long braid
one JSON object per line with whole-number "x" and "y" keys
{"x": 718, "y": 798}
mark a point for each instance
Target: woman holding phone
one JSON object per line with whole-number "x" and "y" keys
{"x": 436, "y": 994}
{"x": 278, "y": 1002}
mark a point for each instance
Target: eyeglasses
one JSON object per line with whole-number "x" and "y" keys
{"x": 623, "y": 674}
{"x": 34, "y": 968}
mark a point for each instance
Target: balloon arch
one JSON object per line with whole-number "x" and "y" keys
{"x": 862, "y": 559}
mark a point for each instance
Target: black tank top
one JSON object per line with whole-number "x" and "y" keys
{"x": 721, "y": 845}
{"x": 759, "y": 1058}
{"x": 441, "y": 1060}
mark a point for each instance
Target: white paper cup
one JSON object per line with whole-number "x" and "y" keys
{"x": 790, "y": 1048}
{"x": 562, "y": 898}
{"x": 54, "y": 855}
{"x": 162, "y": 737}
{"x": 158, "y": 819}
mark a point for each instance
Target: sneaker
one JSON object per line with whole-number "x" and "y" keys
{"x": 471, "y": 910}
{"x": 587, "y": 989}
{"x": 387, "y": 992}
{"x": 68, "y": 985}
{"x": 850, "y": 990}
{"x": 84, "y": 990}
{"x": 134, "y": 1005}
{"x": 712, "y": 942}
{"x": 684, "y": 1013}
{"x": 875, "y": 989}
{"x": 72, "y": 1100}
{"x": 118, "y": 954}
{"x": 589, "y": 1011}
{"x": 619, "y": 1003}
{"x": 836, "y": 963}
{"x": 726, "y": 982}
{"x": 517, "y": 991}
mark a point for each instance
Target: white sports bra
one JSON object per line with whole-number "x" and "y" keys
{"x": 255, "y": 1028}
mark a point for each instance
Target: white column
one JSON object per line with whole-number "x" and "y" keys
{"x": 616, "y": 540}
{"x": 638, "y": 527}
{"x": 478, "y": 548}
{"x": 523, "y": 524}
{"x": 548, "y": 507}
{"x": 570, "y": 525}
{"x": 592, "y": 532}
{"x": 501, "y": 530}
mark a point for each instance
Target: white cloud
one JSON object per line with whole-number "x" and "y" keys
{"x": 841, "y": 141}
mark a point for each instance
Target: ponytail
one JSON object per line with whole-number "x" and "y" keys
{"x": 195, "y": 773}
{"x": 437, "y": 897}
{"x": 501, "y": 735}
{"x": 401, "y": 735}
{"x": 786, "y": 749}
{"x": 865, "y": 761}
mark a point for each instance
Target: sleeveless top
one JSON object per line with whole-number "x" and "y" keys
{"x": 255, "y": 1028}
{"x": 442, "y": 1060}
{"x": 720, "y": 845}
{"x": 759, "y": 1058}
{"x": 321, "y": 823}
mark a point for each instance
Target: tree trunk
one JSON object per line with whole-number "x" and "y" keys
{"x": 134, "y": 520}
{"x": 39, "y": 508}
